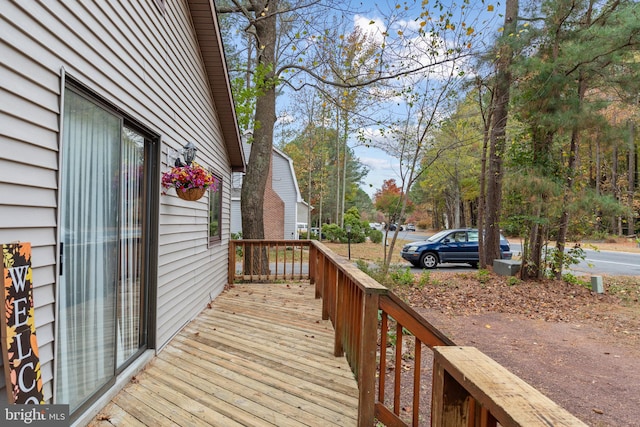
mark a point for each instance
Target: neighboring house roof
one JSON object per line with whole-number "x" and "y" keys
{"x": 299, "y": 198}
{"x": 247, "y": 150}
{"x": 205, "y": 22}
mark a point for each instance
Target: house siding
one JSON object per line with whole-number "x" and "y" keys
{"x": 284, "y": 184}
{"x": 282, "y": 199}
{"x": 147, "y": 64}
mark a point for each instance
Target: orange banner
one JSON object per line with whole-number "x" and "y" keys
{"x": 18, "y": 328}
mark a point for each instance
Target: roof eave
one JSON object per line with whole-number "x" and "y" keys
{"x": 205, "y": 22}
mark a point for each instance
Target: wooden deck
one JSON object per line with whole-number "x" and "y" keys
{"x": 261, "y": 356}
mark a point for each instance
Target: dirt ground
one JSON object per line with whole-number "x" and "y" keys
{"x": 579, "y": 348}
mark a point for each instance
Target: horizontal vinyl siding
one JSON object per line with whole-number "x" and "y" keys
{"x": 145, "y": 63}
{"x": 284, "y": 185}
{"x": 28, "y": 179}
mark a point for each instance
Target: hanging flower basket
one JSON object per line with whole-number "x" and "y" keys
{"x": 190, "y": 182}
{"x": 191, "y": 194}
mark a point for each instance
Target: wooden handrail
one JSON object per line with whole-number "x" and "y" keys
{"x": 467, "y": 384}
{"x": 367, "y": 318}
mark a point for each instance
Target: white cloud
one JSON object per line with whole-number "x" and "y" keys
{"x": 372, "y": 27}
{"x": 412, "y": 25}
{"x": 377, "y": 164}
{"x": 285, "y": 118}
{"x": 381, "y": 167}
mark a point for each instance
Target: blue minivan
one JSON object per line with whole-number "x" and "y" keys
{"x": 458, "y": 245}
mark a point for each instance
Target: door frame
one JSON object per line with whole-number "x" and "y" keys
{"x": 152, "y": 153}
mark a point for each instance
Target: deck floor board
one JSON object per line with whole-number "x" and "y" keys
{"x": 260, "y": 356}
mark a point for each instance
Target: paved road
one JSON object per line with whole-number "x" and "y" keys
{"x": 597, "y": 262}
{"x": 613, "y": 263}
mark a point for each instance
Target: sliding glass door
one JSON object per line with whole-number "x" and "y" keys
{"x": 102, "y": 299}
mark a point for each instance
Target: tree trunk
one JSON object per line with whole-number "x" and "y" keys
{"x": 614, "y": 184}
{"x": 632, "y": 178}
{"x": 532, "y": 250}
{"x": 498, "y": 135}
{"x": 255, "y": 180}
{"x": 568, "y": 189}
{"x": 486, "y": 118}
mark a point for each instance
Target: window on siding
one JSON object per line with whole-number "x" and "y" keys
{"x": 215, "y": 212}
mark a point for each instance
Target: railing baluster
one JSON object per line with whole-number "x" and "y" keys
{"x": 417, "y": 370}
{"x": 301, "y": 258}
{"x": 398, "y": 369}
{"x": 384, "y": 325}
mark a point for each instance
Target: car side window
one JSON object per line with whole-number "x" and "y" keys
{"x": 473, "y": 236}
{"x": 459, "y": 236}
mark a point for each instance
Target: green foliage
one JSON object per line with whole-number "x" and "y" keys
{"x": 239, "y": 249}
{"x": 556, "y": 260}
{"x": 512, "y": 280}
{"x": 375, "y": 236}
{"x": 402, "y": 276}
{"x": 397, "y": 275}
{"x": 319, "y": 164}
{"x": 483, "y": 276}
{"x": 359, "y": 228}
{"x": 333, "y": 232}
{"x": 374, "y": 271}
{"x": 364, "y": 266}
{"x": 588, "y": 210}
{"x": 424, "y": 279}
{"x": 575, "y": 280}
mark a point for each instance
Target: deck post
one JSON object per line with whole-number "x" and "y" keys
{"x": 328, "y": 281}
{"x": 320, "y": 275}
{"x": 367, "y": 359}
{"x": 313, "y": 260}
{"x": 449, "y": 400}
{"x": 231, "y": 275}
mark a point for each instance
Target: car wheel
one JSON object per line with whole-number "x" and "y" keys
{"x": 474, "y": 264}
{"x": 429, "y": 260}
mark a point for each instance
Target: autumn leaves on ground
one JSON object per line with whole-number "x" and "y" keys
{"x": 579, "y": 348}
{"x": 477, "y": 291}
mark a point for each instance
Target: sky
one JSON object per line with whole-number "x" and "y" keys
{"x": 381, "y": 165}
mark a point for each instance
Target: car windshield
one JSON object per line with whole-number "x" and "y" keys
{"x": 438, "y": 236}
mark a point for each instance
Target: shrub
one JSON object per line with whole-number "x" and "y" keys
{"x": 402, "y": 276}
{"x": 333, "y": 232}
{"x": 575, "y": 280}
{"x": 512, "y": 280}
{"x": 375, "y": 236}
{"x": 483, "y": 276}
{"x": 424, "y": 280}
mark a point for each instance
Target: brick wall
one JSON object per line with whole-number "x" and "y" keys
{"x": 273, "y": 212}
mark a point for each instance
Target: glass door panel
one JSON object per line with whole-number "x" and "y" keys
{"x": 90, "y": 238}
{"x": 130, "y": 297}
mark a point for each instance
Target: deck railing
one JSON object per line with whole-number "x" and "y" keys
{"x": 383, "y": 340}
